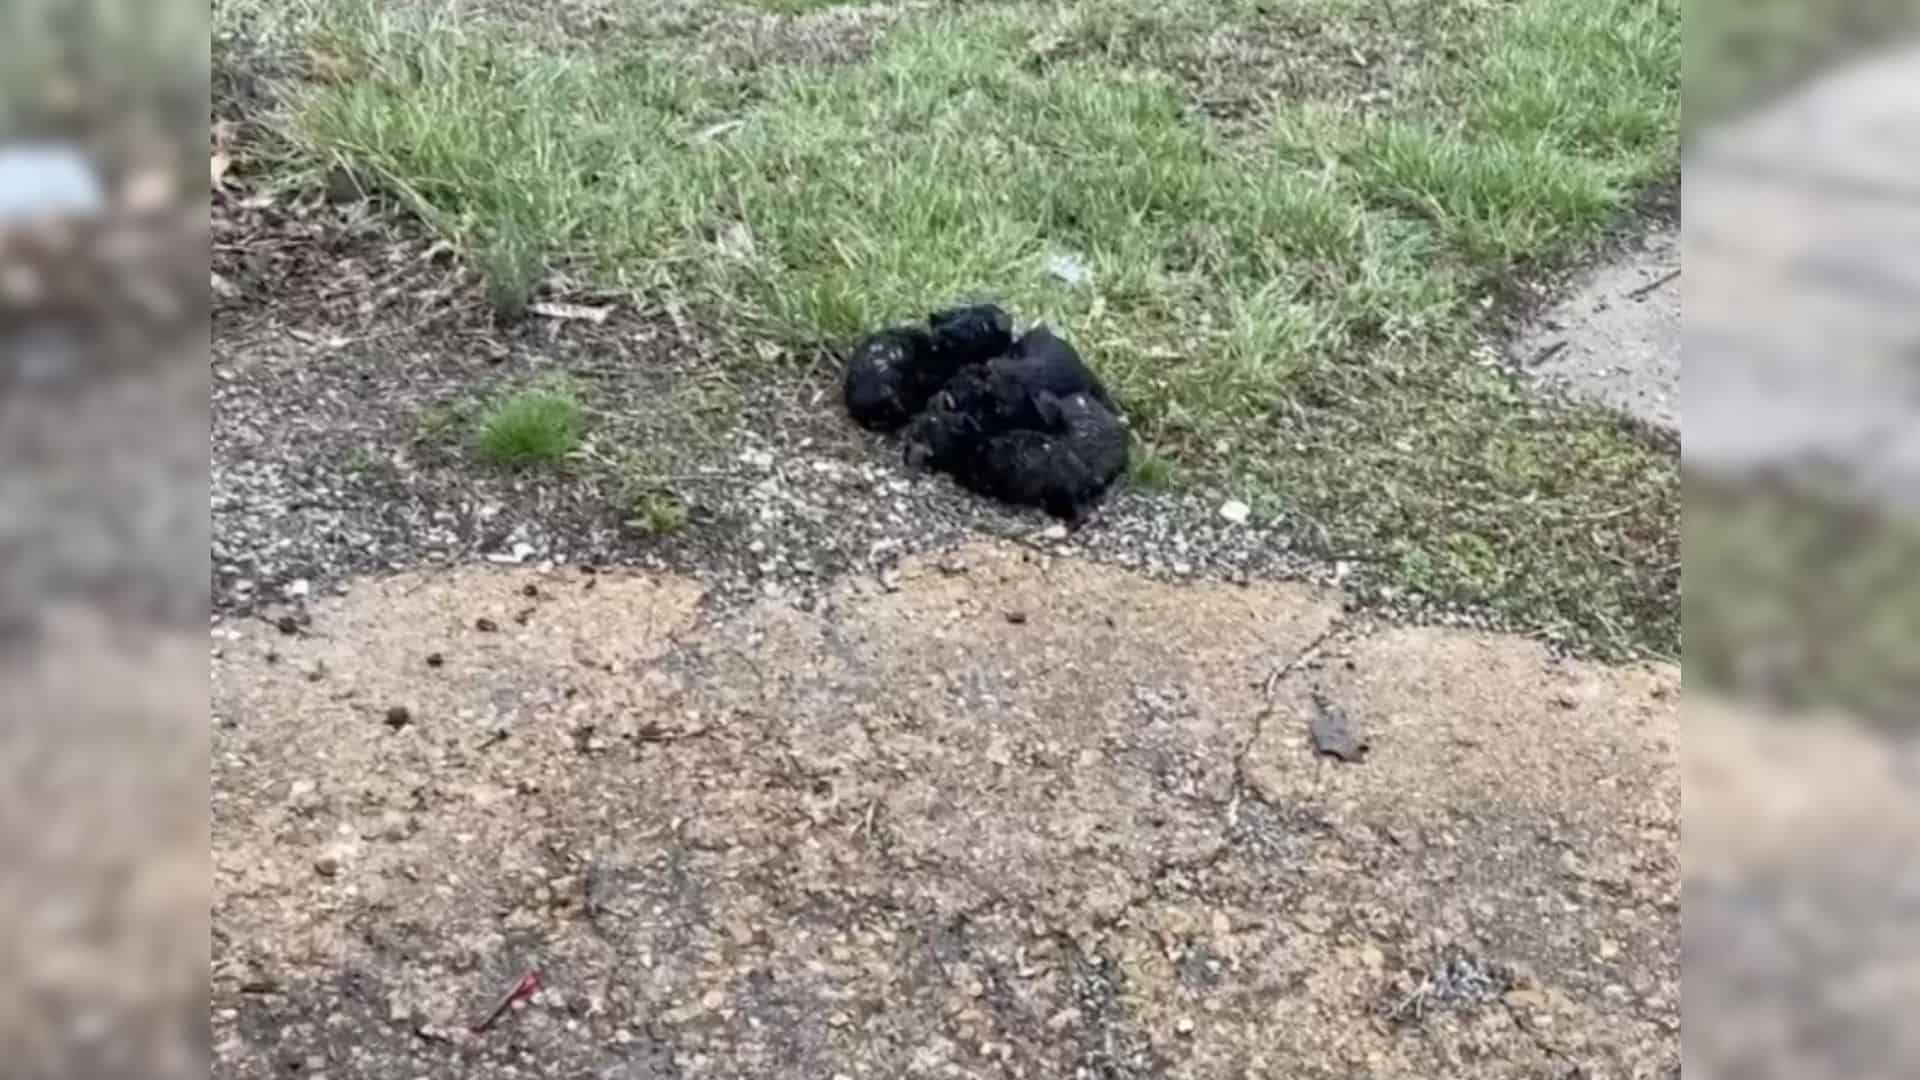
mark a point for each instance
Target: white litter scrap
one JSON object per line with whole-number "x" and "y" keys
{"x": 1070, "y": 269}
{"x": 47, "y": 180}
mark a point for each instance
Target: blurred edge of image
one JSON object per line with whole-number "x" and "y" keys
{"x": 103, "y": 537}
{"x": 1801, "y": 940}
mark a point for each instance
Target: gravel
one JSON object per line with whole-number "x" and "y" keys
{"x": 311, "y": 485}
{"x": 325, "y": 464}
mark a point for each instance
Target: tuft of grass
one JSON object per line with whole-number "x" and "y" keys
{"x": 658, "y": 513}
{"x": 514, "y": 269}
{"x": 1304, "y": 291}
{"x": 533, "y": 427}
{"x": 1151, "y": 469}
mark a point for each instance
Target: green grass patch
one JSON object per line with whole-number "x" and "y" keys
{"x": 1150, "y": 469}
{"x": 533, "y": 427}
{"x": 1302, "y": 294}
{"x": 658, "y": 513}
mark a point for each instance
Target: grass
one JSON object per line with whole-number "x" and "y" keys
{"x": 533, "y": 427}
{"x": 1150, "y": 469}
{"x": 658, "y": 513}
{"x": 1803, "y": 598}
{"x": 1303, "y": 290}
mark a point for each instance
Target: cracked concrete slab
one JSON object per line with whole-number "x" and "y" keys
{"x": 1005, "y": 815}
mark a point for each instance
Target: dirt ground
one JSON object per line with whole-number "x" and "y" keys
{"x": 1004, "y": 814}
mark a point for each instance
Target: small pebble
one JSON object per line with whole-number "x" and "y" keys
{"x": 1235, "y": 511}
{"x": 398, "y": 717}
{"x": 485, "y": 625}
{"x": 435, "y": 659}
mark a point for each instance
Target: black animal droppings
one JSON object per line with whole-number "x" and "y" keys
{"x": 966, "y": 336}
{"x": 1024, "y": 420}
{"x": 893, "y": 373}
{"x": 885, "y": 376}
{"x": 1062, "y": 467}
{"x": 1042, "y": 360}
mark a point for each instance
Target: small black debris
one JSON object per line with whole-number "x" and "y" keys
{"x": 1017, "y": 618}
{"x": 1334, "y": 734}
{"x": 584, "y": 741}
{"x": 398, "y": 717}
{"x": 485, "y": 625}
{"x": 434, "y": 659}
{"x": 530, "y": 590}
{"x": 288, "y": 625}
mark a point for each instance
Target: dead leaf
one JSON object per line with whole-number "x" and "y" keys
{"x": 719, "y": 129}
{"x": 1333, "y": 734}
{"x": 1526, "y": 999}
{"x": 574, "y": 312}
{"x": 736, "y": 240}
{"x": 328, "y": 68}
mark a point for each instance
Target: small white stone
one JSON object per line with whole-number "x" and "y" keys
{"x": 299, "y": 589}
{"x": 1235, "y": 511}
{"x": 1069, "y": 269}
